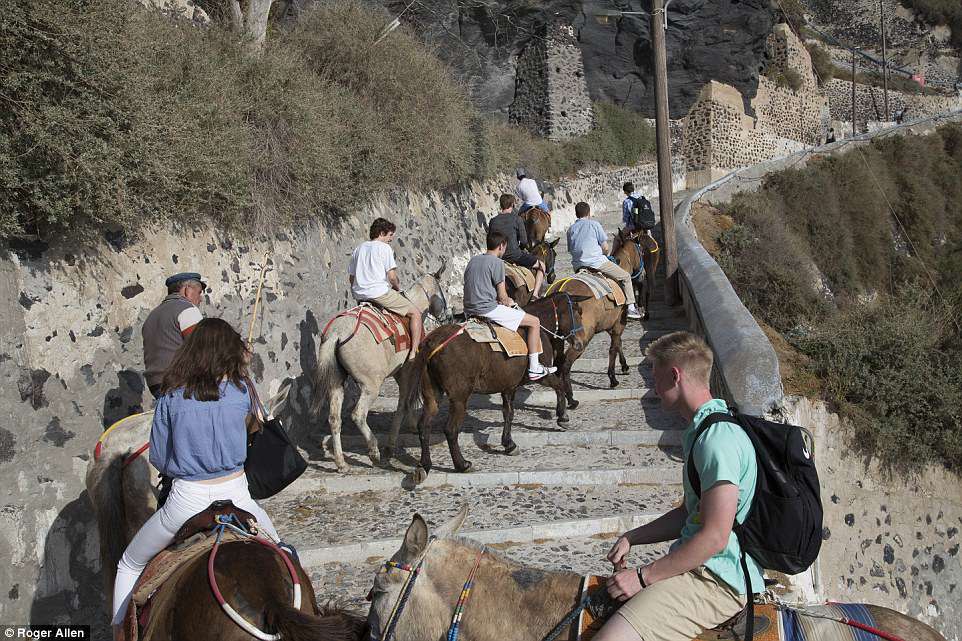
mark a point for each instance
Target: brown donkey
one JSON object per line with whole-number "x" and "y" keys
{"x": 414, "y": 595}
{"x": 451, "y": 363}
{"x": 536, "y": 224}
{"x": 545, "y": 252}
{"x": 630, "y": 251}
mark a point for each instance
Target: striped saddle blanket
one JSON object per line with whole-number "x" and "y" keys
{"x": 382, "y": 324}
{"x": 771, "y": 622}
{"x": 598, "y": 285}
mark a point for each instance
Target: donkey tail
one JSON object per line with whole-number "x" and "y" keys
{"x": 420, "y": 376}
{"x": 105, "y": 488}
{"x": 333, "y": 624}
{"x": 328, "y": 374}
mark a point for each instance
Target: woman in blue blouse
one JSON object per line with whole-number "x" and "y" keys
{"x": 198, "y": 438}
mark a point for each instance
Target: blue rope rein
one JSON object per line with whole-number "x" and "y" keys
{"x": 569, "y": 618}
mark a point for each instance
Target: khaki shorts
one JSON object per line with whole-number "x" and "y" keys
{"x": 682, "y": 607}
{"x": 614, "y": 271}
{"x": 394, "y": 302}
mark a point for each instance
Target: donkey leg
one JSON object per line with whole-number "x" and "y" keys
{"x": 457, "y": 408}
{"x": 571, "y": 355}
{"x": 400, "y": 415}
{"x": 613, "y": 351}
{"x": 428, "y": 412}
{"x": 561, "y": 407}
{"x": 507, "y": 410}
{"x": 359, "y": 415}
{"x": 335, "y": 401}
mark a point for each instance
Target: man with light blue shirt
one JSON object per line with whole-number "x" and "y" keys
{"x": 700, "y": 583}
{"x": 588, "y": 246}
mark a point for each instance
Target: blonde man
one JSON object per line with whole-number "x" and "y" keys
{"x": 699, "y": 584}
{"x": 373, "y": 277}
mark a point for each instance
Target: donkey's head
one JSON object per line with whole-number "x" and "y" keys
{"x": 437, "y": 302}
{"x": 405, "y": 600}
{"x": 545, "y": 251}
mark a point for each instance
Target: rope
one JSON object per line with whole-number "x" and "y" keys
{"x": 98, "y": 448}
{"x": 133, "y": 457}
{"x": 908, "y": 238}
{"x": 463, "y": 599}
{"x": 569, "y": 618}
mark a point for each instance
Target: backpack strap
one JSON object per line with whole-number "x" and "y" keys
{"x": 708, "y": 421}
{"x": 750, "y": 605}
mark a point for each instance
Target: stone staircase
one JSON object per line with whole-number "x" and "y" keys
{"x": 558, "y": 504}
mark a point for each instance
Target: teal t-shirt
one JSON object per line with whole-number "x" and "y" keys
{"x": 723, "y": 453}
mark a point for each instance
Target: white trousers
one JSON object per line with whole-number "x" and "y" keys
{"x": 186, "y": 499}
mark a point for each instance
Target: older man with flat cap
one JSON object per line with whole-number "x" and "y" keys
{"x": 169, "y": 324}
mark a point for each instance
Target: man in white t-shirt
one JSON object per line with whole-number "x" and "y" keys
{"x": 373, "y": 274}
{"x": 528, "y": 193}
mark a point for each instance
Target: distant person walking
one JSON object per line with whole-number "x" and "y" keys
{"x": 588, "y": 246}
{"x": 169, "y": 324}
{"x": 528, "y": 193}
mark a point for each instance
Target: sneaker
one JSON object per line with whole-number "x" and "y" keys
{"x": 541, "y": 372}
{"x": 633, "y": 314}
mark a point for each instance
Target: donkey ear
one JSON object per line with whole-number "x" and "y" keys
{"x": 416, "y": 538}
{"x": 452, "y": 526}
{"x": 437, "y": 274}
{"x": 554, "y": 242}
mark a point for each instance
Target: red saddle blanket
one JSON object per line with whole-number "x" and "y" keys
{"x": 382, "y": 324}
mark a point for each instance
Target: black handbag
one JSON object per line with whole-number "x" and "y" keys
{"x": 273, "y": 461}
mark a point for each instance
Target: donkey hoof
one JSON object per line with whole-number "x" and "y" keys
{"x": 625, "y": 369}
{"x": 464, "y": 468}
{"x": 512, "y": 449}
{"x": 387, "y": 454}
{"x": 573, "y": 404}
{"x": 342, "y": 467}
{"x": 562, "y": 420}
{"x": 419, "y": 475}
{"x": 375, "y": 456}
{"x": 614, "y": 382}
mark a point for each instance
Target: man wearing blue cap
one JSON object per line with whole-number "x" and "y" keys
{"x": 169, "y": 323}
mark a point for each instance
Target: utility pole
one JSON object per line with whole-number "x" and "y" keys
{"x": 853, "y": 92}
{"x": 885, "y": 64}
{"x": 663, "y": 148}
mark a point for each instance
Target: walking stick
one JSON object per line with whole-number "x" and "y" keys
{"x": 257, "y": 299}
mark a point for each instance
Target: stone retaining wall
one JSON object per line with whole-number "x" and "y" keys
{"x": 71, "y": 353}
{"x": 870, "y": 103}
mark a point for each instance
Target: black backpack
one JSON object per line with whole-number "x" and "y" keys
{"x": 783, "y": 527}
{"x": 642, "y": 215}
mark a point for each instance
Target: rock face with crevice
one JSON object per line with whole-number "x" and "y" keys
{"x": 721, "y": 40}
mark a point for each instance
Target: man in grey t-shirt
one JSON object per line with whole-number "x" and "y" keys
{"x": 512, "y": 226}
{"x": 486, "y": 296}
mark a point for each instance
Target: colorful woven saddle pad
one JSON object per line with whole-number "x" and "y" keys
{"x": 500, "y": 339}
{"x": 382, "y": 324}
{"x": 598, "y": 285}
{"x": 799, "y": 627}
{"x": 519, "y": 276}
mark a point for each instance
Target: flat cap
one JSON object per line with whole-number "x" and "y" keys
{"x": 177, "y": 278}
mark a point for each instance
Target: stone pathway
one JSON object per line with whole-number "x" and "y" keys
{"x": 558, "y": 504}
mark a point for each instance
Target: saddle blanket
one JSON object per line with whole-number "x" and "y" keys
{"x": 519, "y": 276}
{"x": 598, "y": 285}
{"x": 382, "y": 324}
{"x": 501, "y": 339}
{"x": 771, "y": 622}
{"x": 161, "y": 568}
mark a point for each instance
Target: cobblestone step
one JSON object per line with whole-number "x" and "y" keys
{"x": 349, "y": 582}
{"x": 504, "y": 512}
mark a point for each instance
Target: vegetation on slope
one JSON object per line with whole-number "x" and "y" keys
{"x": 940, "y": 12}
{"x": 886, "y": 343}
{"x": 116, "y": 116}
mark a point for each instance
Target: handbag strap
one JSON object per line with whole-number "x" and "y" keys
{"x": 257, "y": 408}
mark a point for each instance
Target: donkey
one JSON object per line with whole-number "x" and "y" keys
{"x": 453, "y": 364}
{"x": 185, "y": 604}
{"x": 631, "y": 250}
{"x": 545, "y": 252}
{"x": 537, "y": 222}
{"x": 509, "y": 601}
{"x": 359, "y": 356}
{"x": 120, "y": 484}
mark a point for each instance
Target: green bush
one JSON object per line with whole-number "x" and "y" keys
{"x": 117, "y": 116}
{"x": 893, "y": 366}
{"x": 947, "y": 12}
{"x": 821, "y": 62}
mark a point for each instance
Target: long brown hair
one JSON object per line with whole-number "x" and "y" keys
{"x": 212, "y": 352}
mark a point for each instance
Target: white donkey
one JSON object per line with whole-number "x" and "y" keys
{"x": 346, "y": 350}
{"x": 121, "y": 484}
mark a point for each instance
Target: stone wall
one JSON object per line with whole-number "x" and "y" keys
{"x": 870, "y": 103}
{"x": 551, "y": 93}
{"x": 71, "y": 354}
{"x": 888, "y": 539}
{"x": 720, "y": 135}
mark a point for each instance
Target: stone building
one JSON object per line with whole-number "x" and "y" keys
{"x": 551, "y": 94}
